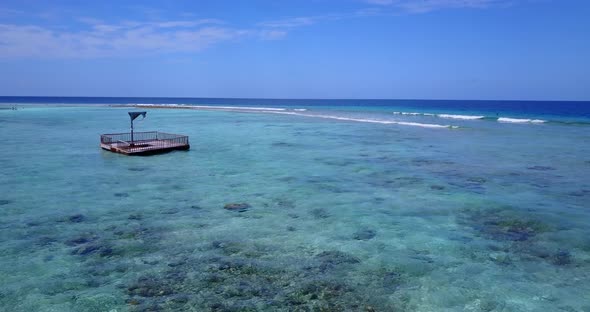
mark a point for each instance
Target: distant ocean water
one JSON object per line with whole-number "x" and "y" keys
{"x": 346, "y": 205}
{"x": 540, "y": 110}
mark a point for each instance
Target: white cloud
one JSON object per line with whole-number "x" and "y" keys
{"x": 272, "y": 34}
{"x": 123, "y": 39}
{"x": 431, "y": 5}
{"x": 290, "y": 22}
{"x": 172, "y": 24}
{"x": 300, "y": 21}
{"x": 97, "y": 38}
{"x": 422, "y": 6}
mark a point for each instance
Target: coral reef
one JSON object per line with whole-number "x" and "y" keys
{"x": 237, "y": 207}
{"x": 364, "y": 234}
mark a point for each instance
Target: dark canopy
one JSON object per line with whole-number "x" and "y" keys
{"x": 134, "y": 115}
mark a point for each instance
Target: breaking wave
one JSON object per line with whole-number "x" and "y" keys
{"x": 463, "y": 117}
{"x": 366, "y": 120}
{"x": 474, "y": 117}
{"x": 520, "y": 120}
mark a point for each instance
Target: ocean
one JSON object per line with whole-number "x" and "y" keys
{"x": 343, "y": 205}
{"x": 538, "y": 109}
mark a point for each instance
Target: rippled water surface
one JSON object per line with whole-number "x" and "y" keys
{"x": 330, "y": 214}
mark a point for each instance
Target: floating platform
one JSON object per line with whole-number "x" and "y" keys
{"x": 143, "y": 143}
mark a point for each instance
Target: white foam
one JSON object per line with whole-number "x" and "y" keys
{"x": 472, "y": 117}
{"x": 448, "y": 116}
{"x": 385, "y": 122}
{"x": 519, "y": 120}
{"x": 462, "y": 117}
{"x": 300, "y": 109}
{"x": 157, "y": 105}
{"x": 412, "y": 114}
{"x": 416, "y": 124}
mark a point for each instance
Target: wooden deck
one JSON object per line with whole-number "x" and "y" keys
{"x": 144, "y": 143}
{"x": 147, "y": 147}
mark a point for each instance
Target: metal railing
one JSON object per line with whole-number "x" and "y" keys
{"x": 144, "y": 141}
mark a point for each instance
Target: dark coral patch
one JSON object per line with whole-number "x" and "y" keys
{"x": 86, "y": 249}
{"x": 227, "y": 247}
{"x": 285, "y": 203}
{"x": 541, "y": 168}
{"x": 235, "y": 280}
{"x": 282, "y": 144}
{"x": 171, "y": 211}
{"x": 45, "y": 241}
{"x": 364, "y": 234}
{"x": 84, "y": 239}
{"x": 319, "y": 213}
{"x": 137, "y": 169}
{"x": 497, "y": 225}
{"x": 135, "y": 216}
{"x": 580, "y": 193}
{"x": 77, "y": 218}
{"x": 335, "y": 257}
{"x": 515, "y": 230}
{"x": 93, "y": 248}
{"x": 478, "y": 180}
{"x": 149, "y": 287}
{"x": 238, "y": 207}
{"x": 562, "y": 257}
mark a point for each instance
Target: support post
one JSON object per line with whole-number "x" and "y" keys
{"x": 134, "y": 115}
{"x": 132, "y": 144}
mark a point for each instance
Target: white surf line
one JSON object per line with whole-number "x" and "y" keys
{"x": 462, "y": 117}
{"x": 474, "y": 117}
{"x": 448, "y": 116}
{"x": 518, "y": 120}
{"x": 385, "y": 122}
{"x": 294, "y": 112}
{"x": 407, "y": 113}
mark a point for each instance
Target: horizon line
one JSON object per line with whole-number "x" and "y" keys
{"x": 288, "y": 99}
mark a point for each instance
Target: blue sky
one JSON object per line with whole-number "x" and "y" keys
{"x": 396, "y": 49}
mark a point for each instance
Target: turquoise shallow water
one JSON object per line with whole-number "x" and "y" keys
{"x": 343, "y": 215}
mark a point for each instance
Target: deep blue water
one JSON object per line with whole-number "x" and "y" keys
{"x": 557, "y": 110}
